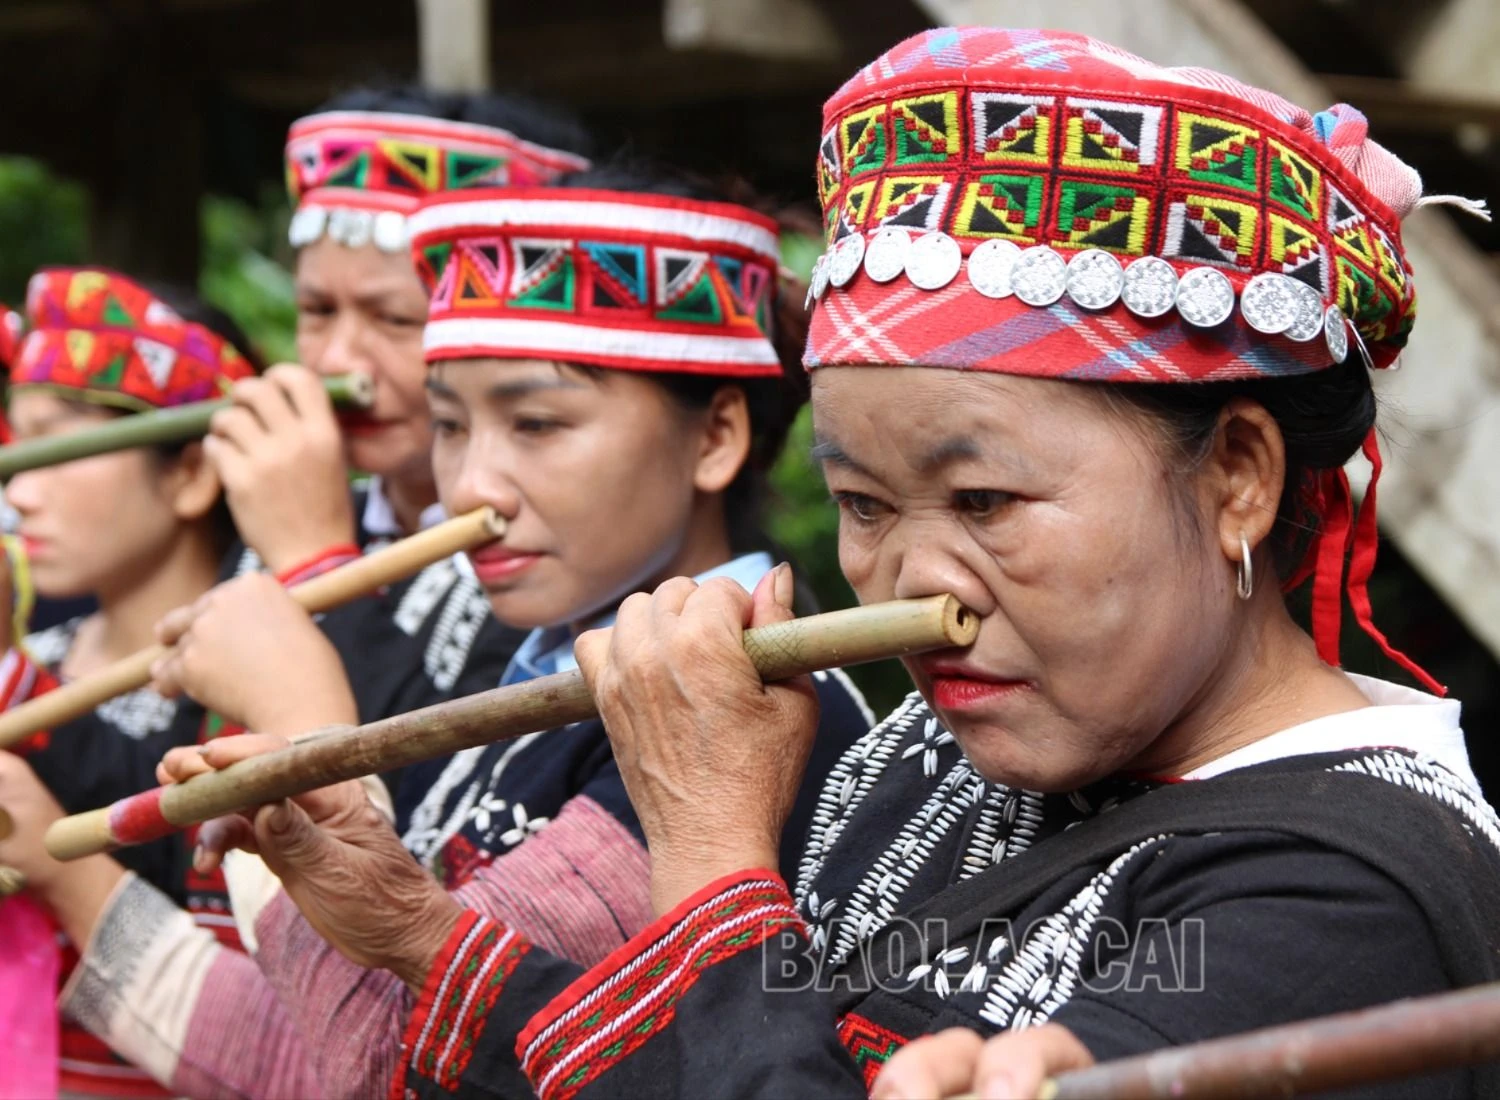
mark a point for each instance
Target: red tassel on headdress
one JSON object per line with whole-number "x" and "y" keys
{"x": 1343, "y": 536}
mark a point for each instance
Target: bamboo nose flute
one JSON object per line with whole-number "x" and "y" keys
{"x": 154, "y": 429}
{"x": 332, "y": 755}
{"x": 338, "y": 586}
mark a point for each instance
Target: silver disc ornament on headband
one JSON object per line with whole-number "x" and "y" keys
{"x": 885, "y": 256}
{"x": 1268, "y": 303}
{"x": 1309, "y": 321}
{"x": 1040, "y": 276}
{"x": 1150, "y": 287}
{"x": 1205, "y": 297}
{"x": 934, "y": 261}
{"x": 1336, "y": 334}
{"x": 844, "y": 260}
{"x": 1095, "y": 279}
{"x": 990, "y": 267}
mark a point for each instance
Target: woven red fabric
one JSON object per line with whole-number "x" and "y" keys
{"x": 616, "y": 279}
{"x": 379, "y": 160}
{"x": 1048, "y": 138}
{"x": 107, "y": 338}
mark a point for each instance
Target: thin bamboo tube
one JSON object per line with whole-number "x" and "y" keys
{"x": 349, "y": 582}
{"x": 153, "y": 429}
{"x": 1343, "y": 1051}
{"x": 332, "y": 755}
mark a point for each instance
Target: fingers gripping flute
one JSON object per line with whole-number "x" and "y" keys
{"x": 338, "y": 586}
{"x": 781, "y": 651}
{"x": 157, "y": 428}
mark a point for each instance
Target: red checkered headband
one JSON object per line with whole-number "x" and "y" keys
{"x": 356, "y": 175}
{"x": 625, "y": 280}
{"x": 1040, "y": 203}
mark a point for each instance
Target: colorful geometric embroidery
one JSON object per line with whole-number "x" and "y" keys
{"x": 1214, "y": 150}
{"x": 828, "y": 166}
{"x": 563, "y": 1052}
{"x": 632, "y": 281}
{"x": 397, "y": 159}
{"x": 543, "y": 275}
{"x": 856, "y": 208}
{"x": 1342, "y": 214}
{"x": 1212, "y": 230}
{"x": 1005, "y": 206}
{"x": 918, "y": 202}
{"x": 862, "y": 142}
{"x": 1354, "y": 238}
{"x": 1113, "y": 137}
{"x": 1362, "y": 299}
{"x": 619, "y": 275}
{"x": 926, "y": 129}
{"x": 103, "y": 334}
{"x": 1295, "y": 183}
{"x": 870, "y": 1045}
{"x": 1297, "y": 251}
{"x": 1012, "y": 129}
{"x": 1098, "y": 215}
{"x": 459, "y": 995}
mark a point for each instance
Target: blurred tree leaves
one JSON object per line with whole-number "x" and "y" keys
{"x": 43, "y": 220}
{"x": 242, "y": 276}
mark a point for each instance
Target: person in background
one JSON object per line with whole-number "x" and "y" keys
{"x": 137, "y": 533}
{"x": 613, "y": 368}
{"x": 356, "y": 169}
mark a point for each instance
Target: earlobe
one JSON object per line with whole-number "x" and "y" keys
{"x": 197, "y": 487}
{"x": 1252, "y": 456}
{"x": 726, "y": 441}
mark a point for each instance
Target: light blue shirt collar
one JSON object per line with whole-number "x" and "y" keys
{"x": 550, "y": 649}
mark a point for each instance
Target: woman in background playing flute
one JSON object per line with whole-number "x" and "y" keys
{"x": 612, "y": 369}
{"x": 140, "y": 531}
{"x": 356, "y": 168}
{"x": 1146, "y": 806}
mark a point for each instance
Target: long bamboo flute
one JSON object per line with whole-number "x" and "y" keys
{"x": 159, "y": 427}
{"x": 338, "y": 586}
{"x": 1387, "y": 1043}
{"x": 332, "y": 755}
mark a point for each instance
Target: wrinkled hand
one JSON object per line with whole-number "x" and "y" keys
{"x": 247, "y": 650}
{"x": 959, "y": 1062}
{"x": 711, "y": 757}
{"x": 280, "y": 456}
{"x": 337, "y": 858}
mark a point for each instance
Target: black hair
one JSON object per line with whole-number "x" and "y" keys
{"x": 773, "y": 403}
{"x": 528, "y": 119}
{"x": 190, "y": 307}
{"x": 1324, "y": 418}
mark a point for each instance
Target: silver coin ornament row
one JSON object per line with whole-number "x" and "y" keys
{"x": 386, "y": 229}
{"x": 1271, "y": 303}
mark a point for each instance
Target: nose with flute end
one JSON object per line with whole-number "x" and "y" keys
{"x": 781, "y": 651}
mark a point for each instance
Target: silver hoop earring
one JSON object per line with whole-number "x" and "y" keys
{"x": 1244, "y": 585}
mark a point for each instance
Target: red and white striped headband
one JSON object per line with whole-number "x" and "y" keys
{"x": 355, "y": 175}
{"x": 624, "y": 280}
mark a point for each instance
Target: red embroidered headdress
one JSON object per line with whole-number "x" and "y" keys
{"x": 95, "y": 334}
{"x": 1040, "y": 203}
{"x": 616, "y": 279}
{"x": 355, "y": 175}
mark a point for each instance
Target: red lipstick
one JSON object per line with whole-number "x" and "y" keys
{"x": 495, "y": 563}
{"x": 958, "y": 685}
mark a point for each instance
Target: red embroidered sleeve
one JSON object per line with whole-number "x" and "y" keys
{"x": 615, "y": 1008}
{"x": 467, "y": 979}
{"x": 21, "y": 679}
{"x": 319, "y": 564}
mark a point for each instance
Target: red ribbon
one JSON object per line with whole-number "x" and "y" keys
{"x": 1343, "y": 536}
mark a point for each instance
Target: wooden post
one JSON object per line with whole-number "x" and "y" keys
{"x": 454, "y": 44}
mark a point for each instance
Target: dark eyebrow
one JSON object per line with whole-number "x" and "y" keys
{"x": 522, "y": 387}
{"x": 440, "y": 389}
{"x": 954, "y": 449}
{"x": 826, "y": 450}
